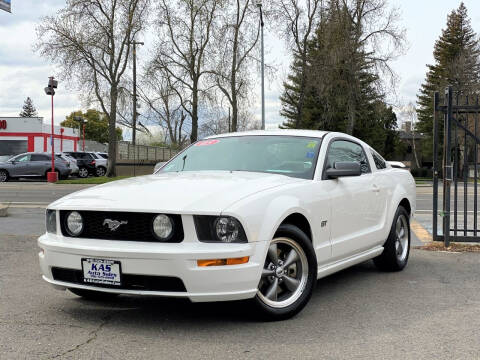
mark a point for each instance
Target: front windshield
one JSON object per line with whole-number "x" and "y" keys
{"x": 288, "y": 155}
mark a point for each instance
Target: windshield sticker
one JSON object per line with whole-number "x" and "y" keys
{"x": 310, "y": 154}
{"x": 311, "y": 145}
{"x": 207, "y": 142}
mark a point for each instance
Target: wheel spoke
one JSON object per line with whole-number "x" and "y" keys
{"x": 272, "y": 253}
{"x": 402, "y": 233}
{"x": 267, "y": 272}
{"x": 291, "y": 258}
{"x": 272, "y": 291}
{"x": 399, "y": 247}
{"x": 291, "y": 283}
{"x": 398, "y": 226}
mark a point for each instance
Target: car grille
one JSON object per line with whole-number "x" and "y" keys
{"x": 129, "y": 281}
{"x": 137, "y": 228}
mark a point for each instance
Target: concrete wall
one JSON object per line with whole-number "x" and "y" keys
{"x": 128, "y": 168}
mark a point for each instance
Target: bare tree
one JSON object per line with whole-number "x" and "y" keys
{"x": 185, "y": 29}
{"x": 90, "y": 41}
{"x": 297, "y": 21}
{"x": 161, "y": 96}
{"x": 235, "y": 41}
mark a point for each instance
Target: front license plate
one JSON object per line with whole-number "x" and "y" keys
{"x": 101, "y": 271}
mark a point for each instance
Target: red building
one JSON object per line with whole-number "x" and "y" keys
{"x": 18, "y": 135}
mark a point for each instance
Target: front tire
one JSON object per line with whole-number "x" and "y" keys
{"x": 397, "y": 247}
{"x": 93, "y": 295}
{"x": 289, "y": 275}
{"x": 101, "y": 171}
{"x": 3, "y": 176}
{"x": 83, "y": 172}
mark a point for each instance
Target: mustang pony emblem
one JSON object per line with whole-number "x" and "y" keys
{"x": 114, "y": 224}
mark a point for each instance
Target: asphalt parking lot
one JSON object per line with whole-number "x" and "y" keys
{"x": 429, "y": 311}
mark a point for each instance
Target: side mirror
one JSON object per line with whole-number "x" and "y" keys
{"x": 344, "y": 168}
{"x": 13, "y": 162}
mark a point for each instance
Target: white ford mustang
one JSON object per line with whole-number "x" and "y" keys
{"x": 256, "y": 215}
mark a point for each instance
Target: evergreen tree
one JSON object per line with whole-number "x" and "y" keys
{"x": 28, "y": 109}
{"x": 457, "y": 63}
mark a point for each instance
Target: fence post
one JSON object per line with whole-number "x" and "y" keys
{"x": 435, "y": 165}
{"x": 448, "y": 166}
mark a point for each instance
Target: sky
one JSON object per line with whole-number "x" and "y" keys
{"x": 24, "y": 73}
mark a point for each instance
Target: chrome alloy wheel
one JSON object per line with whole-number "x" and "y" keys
{"x": 285, "y": 273}
{"x": 401, "y": 238}
{"x": 83, "y": 173}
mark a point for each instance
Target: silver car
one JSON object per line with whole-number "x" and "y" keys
{"x": 70, "y": 160}
{"x": 32, "y": 165}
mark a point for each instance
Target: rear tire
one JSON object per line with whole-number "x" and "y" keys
{"x": 289, "y": 275}
{"x": 93, "y": 295}
{"x": 3, "y": 175}
{"x": 397, "y": 247}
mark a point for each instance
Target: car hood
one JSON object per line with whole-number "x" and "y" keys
{"x": 207, "y": 192}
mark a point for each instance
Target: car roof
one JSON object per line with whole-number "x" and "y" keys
{"x": 277, "y": 132}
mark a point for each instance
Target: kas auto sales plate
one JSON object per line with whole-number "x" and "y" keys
{"x": 101, "y": 271}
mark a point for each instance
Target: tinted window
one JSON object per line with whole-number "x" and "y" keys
{"x": 105, "y": 156}
{"x": 343, "y": 150}
{"x": 287, "y": 155}
{"x": 81, "y": 156}
{"x": 378, "y": 160}
{"x": 39, "y": 157}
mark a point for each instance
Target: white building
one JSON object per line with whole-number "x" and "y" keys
{"x": 18, "y": 135}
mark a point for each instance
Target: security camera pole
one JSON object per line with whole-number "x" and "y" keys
{"x": 50, "y": 90}
{"x": 259, "y": 5}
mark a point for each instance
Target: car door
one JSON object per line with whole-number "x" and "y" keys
{"x": 39, "y": 164}
{"x": 352, "y": 198}
{"x": 21, "y": 166}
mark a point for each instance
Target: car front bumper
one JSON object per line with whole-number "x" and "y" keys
{"x": 212, "y": 283}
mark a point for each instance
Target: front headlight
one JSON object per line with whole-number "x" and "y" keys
{"x": 163, "y": 227}
{"x": 225, "y": 229}
{"x": 51, "y": 221}
{"x": 74, "y": 223}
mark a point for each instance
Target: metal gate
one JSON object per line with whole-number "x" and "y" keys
{"x": 460, "y": 129}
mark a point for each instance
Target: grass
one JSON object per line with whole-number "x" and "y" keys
{"x": 92, "y": 180}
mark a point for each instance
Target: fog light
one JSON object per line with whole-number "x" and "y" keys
{"x": 222, "y": 262}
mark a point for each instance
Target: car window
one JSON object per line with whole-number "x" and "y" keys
{"x": 287, "y": 155}
{"x": 22, "y": 158}
{"x": 380, "y": 163}
{"x": 105, "y": 156}
{"x": 344, "y": 150}
{"x": 95, "y": 156}
{"x": 39, "y": 157}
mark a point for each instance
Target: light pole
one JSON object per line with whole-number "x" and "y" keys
{"x": 50, "y": 90}
{"x": 134, "y": 122}
{"x": 259, "y": 5}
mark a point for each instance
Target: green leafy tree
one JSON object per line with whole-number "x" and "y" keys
{"x": 28, "y": 109}
{"x": 457, "y": 63}
{"x": 341, "y": 92}
{"x": 96, "y": 125}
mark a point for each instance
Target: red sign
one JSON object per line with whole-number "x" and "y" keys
{"x": 3, "y": 124}
{"x": 207, "y": 142}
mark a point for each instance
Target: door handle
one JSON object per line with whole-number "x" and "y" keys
{"x": 375, "y": 188}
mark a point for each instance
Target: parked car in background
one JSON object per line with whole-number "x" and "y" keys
{"x": 102, "y": 154}
{"x": 100, "y": 164}
{"x": 255, "y": 215}
{"x": 397, "y": 164}
{"x": 4, "y": 158}
{"x": 85, "y": 161}
{"x": 32, "y": 165}
{"x": 71, "y": 161}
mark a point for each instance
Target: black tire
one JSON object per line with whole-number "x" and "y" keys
{"x": 101, "y": 171}
{"x": 391, "y": 259}
{"x": 93, "y": 295}
{"x": 271, "y": 313}
{"x": 83, "y": 172}
{"x": 3, "y": 175}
